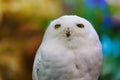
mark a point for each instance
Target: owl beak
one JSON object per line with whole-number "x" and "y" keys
{"x": 68, "y": 32}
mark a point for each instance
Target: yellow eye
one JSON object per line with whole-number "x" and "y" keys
{"x": 80, "y": 25}
{"x": 57, "y": 26}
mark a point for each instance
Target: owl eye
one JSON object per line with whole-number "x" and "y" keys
{"x": 57, "y": 26}
{"x": 80, "y": 25}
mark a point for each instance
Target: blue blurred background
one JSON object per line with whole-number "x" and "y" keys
{"x": 23, "y": 23}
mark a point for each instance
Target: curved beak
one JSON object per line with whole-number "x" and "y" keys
{"x": 68, "y": 32}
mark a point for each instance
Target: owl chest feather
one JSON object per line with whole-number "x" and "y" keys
{"x": 65, "y": 63}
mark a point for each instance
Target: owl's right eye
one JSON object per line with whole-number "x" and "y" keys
{"x": 57, "y": 26}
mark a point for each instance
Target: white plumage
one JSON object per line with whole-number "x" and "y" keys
{"x": 70, "y": 50}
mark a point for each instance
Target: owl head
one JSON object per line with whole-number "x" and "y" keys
{"x": 70, "y": 27}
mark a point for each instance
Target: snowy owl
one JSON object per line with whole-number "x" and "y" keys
{"x": 70, "y": 50}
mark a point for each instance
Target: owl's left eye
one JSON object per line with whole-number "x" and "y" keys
{"x": 57, "y": 26}
{"x": 80, "y": 25}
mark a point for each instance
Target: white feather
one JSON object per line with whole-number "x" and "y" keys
{"x": 74, "y": 57}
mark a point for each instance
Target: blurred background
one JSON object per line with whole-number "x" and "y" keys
{"x": 23, "y": 23}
